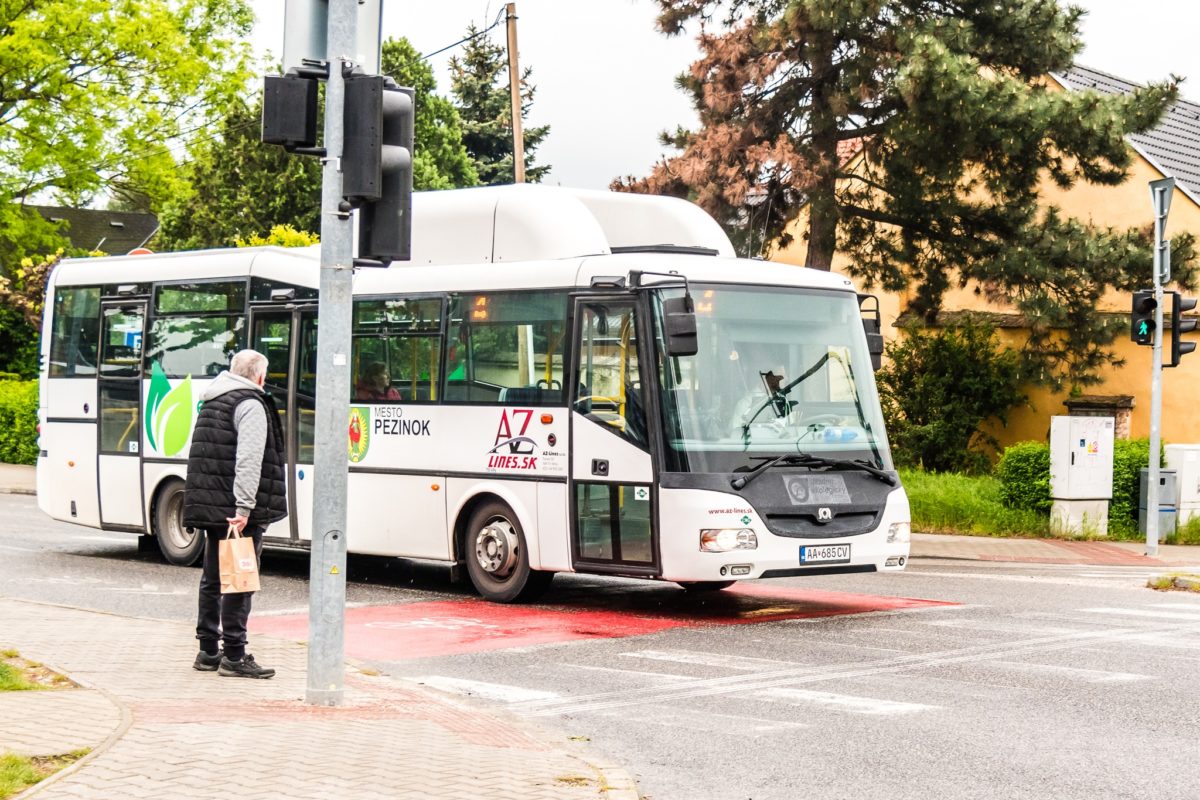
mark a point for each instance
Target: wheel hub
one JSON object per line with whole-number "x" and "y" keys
{"x": 496, "y": 548}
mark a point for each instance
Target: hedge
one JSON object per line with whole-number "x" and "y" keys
{"x": 1024, "y": 474}
{"x": 18, "y": 421}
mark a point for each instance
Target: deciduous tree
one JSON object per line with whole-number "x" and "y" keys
{"x": 93, "y": 93}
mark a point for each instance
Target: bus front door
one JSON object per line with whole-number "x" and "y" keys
{"x": 119, "y": 410}
{"x": 613, "y": 521}
{"x": 288, "y": 338}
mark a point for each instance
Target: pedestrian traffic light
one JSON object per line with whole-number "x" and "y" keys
{"x": 1142, "y": 317}
{"x": 1181, "y": 325}
{"x": 377, "y": 165}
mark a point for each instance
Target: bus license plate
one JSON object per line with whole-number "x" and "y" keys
{"x": 825, "y": 554}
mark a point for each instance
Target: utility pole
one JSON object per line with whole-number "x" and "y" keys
{"x": 1160, "y": 196}
{"x": 327, "y": 564}
{"x": 514, "y": 88}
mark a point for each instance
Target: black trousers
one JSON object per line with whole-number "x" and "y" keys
{"x": 224, "y": 616}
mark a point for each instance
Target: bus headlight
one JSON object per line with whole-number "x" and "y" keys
{"x": 722, "y": 540}
{"x": 899, "y": 533}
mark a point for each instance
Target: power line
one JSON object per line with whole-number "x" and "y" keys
{"x": 476, "y": 35}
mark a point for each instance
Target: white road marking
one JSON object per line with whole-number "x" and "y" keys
{"x": 1193, "y": 606}
{"x": 679, "y": 717}
{"x": 668, "y": 676}
{"x": 790, "y": 677}
{"x": 844, "y": 702}
{"x": 488, "y": 691}
{"x": 997, "y": 627}
{"x": 1144, "y": 612}
{"x": 717, "y": 660}
{"x": 1079, "y": 673}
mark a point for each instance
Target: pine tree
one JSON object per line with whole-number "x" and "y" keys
{"x": 479, "y": 84}
{"x": 914, "y": 136}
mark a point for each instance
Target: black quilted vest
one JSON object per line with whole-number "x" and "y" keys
{"x": 209, "y": 500}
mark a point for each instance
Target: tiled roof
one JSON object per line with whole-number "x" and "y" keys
{"x": 1173, "y": 146}
{"x": 112, "y": 232}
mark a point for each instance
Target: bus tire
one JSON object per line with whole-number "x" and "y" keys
{"x": 496, "y": 556}
{"x": 179, "y": 545}
{"x": 705, "y": 586}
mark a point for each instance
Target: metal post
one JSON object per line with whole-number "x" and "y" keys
{"x": 514, "y": 89}
{"x": 327, "y": 567}
{"x": 1160, "y": 196}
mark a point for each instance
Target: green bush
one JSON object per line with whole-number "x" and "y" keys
{"x": 1024, "y": 475}
{"x": 18, "y": 422}
{"x": 1130, "y": 456}
{"x": 938, "y": 387}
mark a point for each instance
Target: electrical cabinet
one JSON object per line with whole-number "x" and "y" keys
{"x": 1081, "y": 458}
{"x": 1184, "y": 459}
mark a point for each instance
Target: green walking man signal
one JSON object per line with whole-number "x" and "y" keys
{"x": 1142, "y": 317}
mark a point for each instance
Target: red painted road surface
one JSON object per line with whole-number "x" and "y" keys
{"x": 449, "y": 627}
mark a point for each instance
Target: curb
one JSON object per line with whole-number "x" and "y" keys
{"x": 97, "y": 751}
{"x": 18, "y": 490}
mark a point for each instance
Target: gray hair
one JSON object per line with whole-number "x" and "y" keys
{"x": 249, "y": 364}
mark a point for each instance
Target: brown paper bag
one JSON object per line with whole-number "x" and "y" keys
{"x": 239, "y": 563}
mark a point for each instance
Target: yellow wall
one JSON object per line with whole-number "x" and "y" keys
{"x": 1124, "y": 206}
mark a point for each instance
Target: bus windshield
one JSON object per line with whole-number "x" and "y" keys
{"x": 779, "y": 370}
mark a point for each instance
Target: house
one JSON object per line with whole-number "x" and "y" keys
{"x": 110, "y": 232}
{"x": 1171, "y": 149}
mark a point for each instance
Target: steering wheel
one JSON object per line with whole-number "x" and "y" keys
{"x": 825, "y": 419}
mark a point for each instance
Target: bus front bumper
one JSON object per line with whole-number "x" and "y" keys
{"x": 687, "y": 513}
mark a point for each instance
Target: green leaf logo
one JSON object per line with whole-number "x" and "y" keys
{"x": 169, "y": 412}
{"x": 159, "y": 388}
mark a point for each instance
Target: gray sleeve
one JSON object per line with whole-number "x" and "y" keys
{"x": 250, "y": 422}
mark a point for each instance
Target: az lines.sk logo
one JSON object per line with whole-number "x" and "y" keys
{"x": 168, "y": 412}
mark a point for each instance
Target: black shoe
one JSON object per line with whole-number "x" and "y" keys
{"x": 244, "y": 667}
{"x": 207, "y": 663}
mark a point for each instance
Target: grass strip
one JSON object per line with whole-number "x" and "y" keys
{"x": 968, "y": 505}
{"x": 12, "y": 679}
{"x": 18, "y": 773}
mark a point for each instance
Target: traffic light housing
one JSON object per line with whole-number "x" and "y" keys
{"x": 289, "y": 111}
{"x": 1141, "y": 319}
{"x": 377, "y": 172}
{"x": 1181, "y": 325}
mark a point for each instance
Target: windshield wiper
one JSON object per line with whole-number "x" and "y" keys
{"x": 806, "y": 460}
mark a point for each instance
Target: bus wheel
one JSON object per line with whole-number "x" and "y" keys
{"x": 179, "y": 545}
{"x": 706, "y": 586}
{"x": 497, "y": 559}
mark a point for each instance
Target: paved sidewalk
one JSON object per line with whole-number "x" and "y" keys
{"x": 162, "y": 730}
{"x": 18, "y": 479}
{"x": 1051, "y": 551}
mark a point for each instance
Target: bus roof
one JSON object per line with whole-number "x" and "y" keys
{"x": 545, "y": 236}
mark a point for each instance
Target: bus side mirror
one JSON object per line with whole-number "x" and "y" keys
{"x": 679, "y": 322}
{"x": 873, "y": 327}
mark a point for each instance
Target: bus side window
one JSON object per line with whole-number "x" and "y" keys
{"x": 397, "y": 350}
{"x": 197, "y": 327}
{"x": 507, "y": 348}
{"x": 76, "y": 332}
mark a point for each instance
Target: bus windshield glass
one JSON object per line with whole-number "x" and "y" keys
{"x": 779, "y": 370}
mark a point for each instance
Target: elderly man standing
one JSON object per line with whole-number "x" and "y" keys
{"x": 235, "y": 479}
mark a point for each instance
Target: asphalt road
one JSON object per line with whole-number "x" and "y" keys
{"x": 1037, "y": 681}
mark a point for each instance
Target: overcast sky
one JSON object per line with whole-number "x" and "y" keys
{"x": 605, "y": 76}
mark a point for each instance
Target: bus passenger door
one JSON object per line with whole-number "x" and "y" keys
{"x": 119, "y": 412}
{"x": 278, "y": 334}
{"x": 613, "y": 527}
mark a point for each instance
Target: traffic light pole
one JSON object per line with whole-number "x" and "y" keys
{"x": 1160, "y": 196}
{"x": 327, "y": 565}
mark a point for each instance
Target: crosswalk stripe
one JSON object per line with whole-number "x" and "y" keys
{"x": 1144, "y": 612}
{"x": 843, "y": 702}
{"x": 717, "y": 660}
{"x": 1085, "y": 675}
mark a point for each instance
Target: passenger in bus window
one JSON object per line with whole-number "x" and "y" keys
{"x": 375, "y": 384}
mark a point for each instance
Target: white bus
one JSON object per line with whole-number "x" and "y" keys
{"x": 531, "y": 394}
